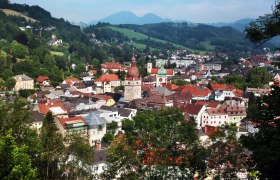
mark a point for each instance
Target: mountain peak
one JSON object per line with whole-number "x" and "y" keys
{"x": 128, "y": 17}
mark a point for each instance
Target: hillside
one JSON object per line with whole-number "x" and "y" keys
{"x": 10, "y": 12}
{"x": 199, "y": 37}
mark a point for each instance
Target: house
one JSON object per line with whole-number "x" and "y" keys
{"x": 195, "y": 111}
{"x": 198, "y": 92}
{"x": 43, "y": 80}
{"x": 113, "y": 66}
{"x": 67, "y": 126}
{"x": 210, "y": 66}
{"x": 70, "y": 81}
{"x": 214, "y": 117}
{"x": 108, "y": 99}
{"x": 55, "y": 107}
{"x": 107, "y": 83}
{"x": 96, "y": 127}
{"x": 55, "y": 94}
{"x": 23, "y": 82}
{"x": 38, "y": 120}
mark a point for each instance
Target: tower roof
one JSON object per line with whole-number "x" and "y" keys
{"x": 161, "y": 71}
{"x": 133, "y": 70}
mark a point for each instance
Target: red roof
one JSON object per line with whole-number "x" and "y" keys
{"x": 218, "y": 86}
{"x": 112, "y": 65}
{"x": 65, "y": 120}
{"x": 41, "y": 79}
{"x": 192, "y": 109}
{"x": 196, "y": 90}
{"x": 101, "y": 96}
{"x": 208, "y": 130}
{"x": 171, "y": 87}
{"x": 108, "y": 77}
{"x": 45, "y": 108}
{"x": 213, "y": 104}
{"x": 71, "y": 81}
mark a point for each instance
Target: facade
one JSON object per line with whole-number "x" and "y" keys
{"x": 113, "y": 66}
{"x": 96, "y": 127}
{"x": 132, "y": 84}
{"x": 107, "y": 83}
{"x": 178, "y": 62}
{"x": 23, "y": 82}
{"x": 161, "y": 77}
{"x": 210, "y": 66}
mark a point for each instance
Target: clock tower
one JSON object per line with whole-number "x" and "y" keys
{"x": 132, "y": 84}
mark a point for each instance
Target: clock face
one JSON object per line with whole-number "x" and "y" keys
{"x": 160, "y": 79}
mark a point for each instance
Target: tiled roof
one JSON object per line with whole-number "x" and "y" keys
{"x": 213, "y": 104}
{"x": 112, "y": 65}
{"x": 71, "y": 81}
{"x": 23, "y": 77}
{"x": 36, "y": 116}
{"x": 171, "y": 86}
{"x": 76, "y": 119}
{"x": 108, "y": 77}
{"x": 101, "y": 96}
{"x": 45, "y": 108}
{"x": 41, "y": 79}
{"x": 196, "y": 90}
{"x": 192, "y": 109}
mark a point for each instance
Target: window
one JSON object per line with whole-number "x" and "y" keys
{"x": 99, "y": 127}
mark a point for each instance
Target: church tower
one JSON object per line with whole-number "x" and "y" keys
{"x": 132, "y": 84}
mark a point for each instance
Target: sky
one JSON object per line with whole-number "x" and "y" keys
{"x": 199, "y": 11}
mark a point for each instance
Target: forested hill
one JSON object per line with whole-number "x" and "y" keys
{"x": 199, "y": 36}
{"x": 64, "y": 29}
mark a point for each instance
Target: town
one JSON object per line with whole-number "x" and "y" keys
{"x": 152, "y": 99}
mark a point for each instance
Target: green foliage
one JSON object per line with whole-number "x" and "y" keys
{"x": 227, "y": 155}
{"x": 10, "y": 83}
{"x": 15, "y": 162}
{"x": 26, "y": 92}
{"x": 179, "y": 82}
{"x": 18, "y": 50}
{"x": 257, "y": 77}
{"x": 265, "y": 27}
{"x": 161, "y": 132}
{"x": 119, "y": 88}
{"x": 108, "y": 138}
{"x": 265, "y": 144}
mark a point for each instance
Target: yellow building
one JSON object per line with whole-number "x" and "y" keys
{"x": 23, "y": 82}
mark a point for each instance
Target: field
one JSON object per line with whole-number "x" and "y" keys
{"x": 56, "y": 53}
{"x": 9, "y": 12}
{"x": 131, "y": 34}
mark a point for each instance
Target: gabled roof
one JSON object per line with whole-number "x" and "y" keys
{"x": 94, "y": 119}
{"x": 213, "y": 104}
{"x": 41, "y": 79}
{"x": 171, "y": 86}
{"x": 124, "y": 112}
{"x": 196, "y": 90}
{"x": 71, "y": 81}
{"x": 112, "y": 65}
{"x": 22, "y": 77}
{"x": 55, "y": 107}
{"x": 108, "y": 77}
{"x": 101, "y": 96}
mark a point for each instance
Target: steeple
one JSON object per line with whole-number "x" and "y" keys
{"x": 133, "y": 70}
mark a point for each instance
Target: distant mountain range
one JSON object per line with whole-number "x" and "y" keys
{"x": 239, "y": 25}
{"x": 127, "y": 17}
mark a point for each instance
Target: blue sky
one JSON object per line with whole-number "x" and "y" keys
{"x": 203, "y": 11}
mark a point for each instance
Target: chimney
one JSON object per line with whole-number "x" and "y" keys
{"x": 98, "y": 145}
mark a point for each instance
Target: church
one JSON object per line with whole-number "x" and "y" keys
{"x": 132, "y": 84}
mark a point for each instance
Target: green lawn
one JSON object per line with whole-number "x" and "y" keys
{"x": 131, "y": 34}
{"x": 56, "y": 53}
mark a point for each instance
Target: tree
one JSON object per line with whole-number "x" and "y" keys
{"x": 80, "y": 68}
{"x": 265, "y": 27}
{"x": 265, "y": 144}
{"x": 15, "y": 162}
{"x": 156, "y": 145}
{"x": 18, "y": 50}
{"x": 227, "y": 155}
{"x": 10, "y": 83}
{"x": 179, "y": 82}
{"x": 257, "y": 77}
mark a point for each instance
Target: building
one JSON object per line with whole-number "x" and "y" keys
{"x": 161, "y": 77}
{"x": 43, "y": 80}
{"x": 67, "y": 126}
{"x": 23, "y": 82}
{"x": 113, "y": 66}
{"x": 107, "y": 83}
{"x": 132, "y": 84}
{"x": 96, "y": 127}
{"x": 210, "y": 67}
